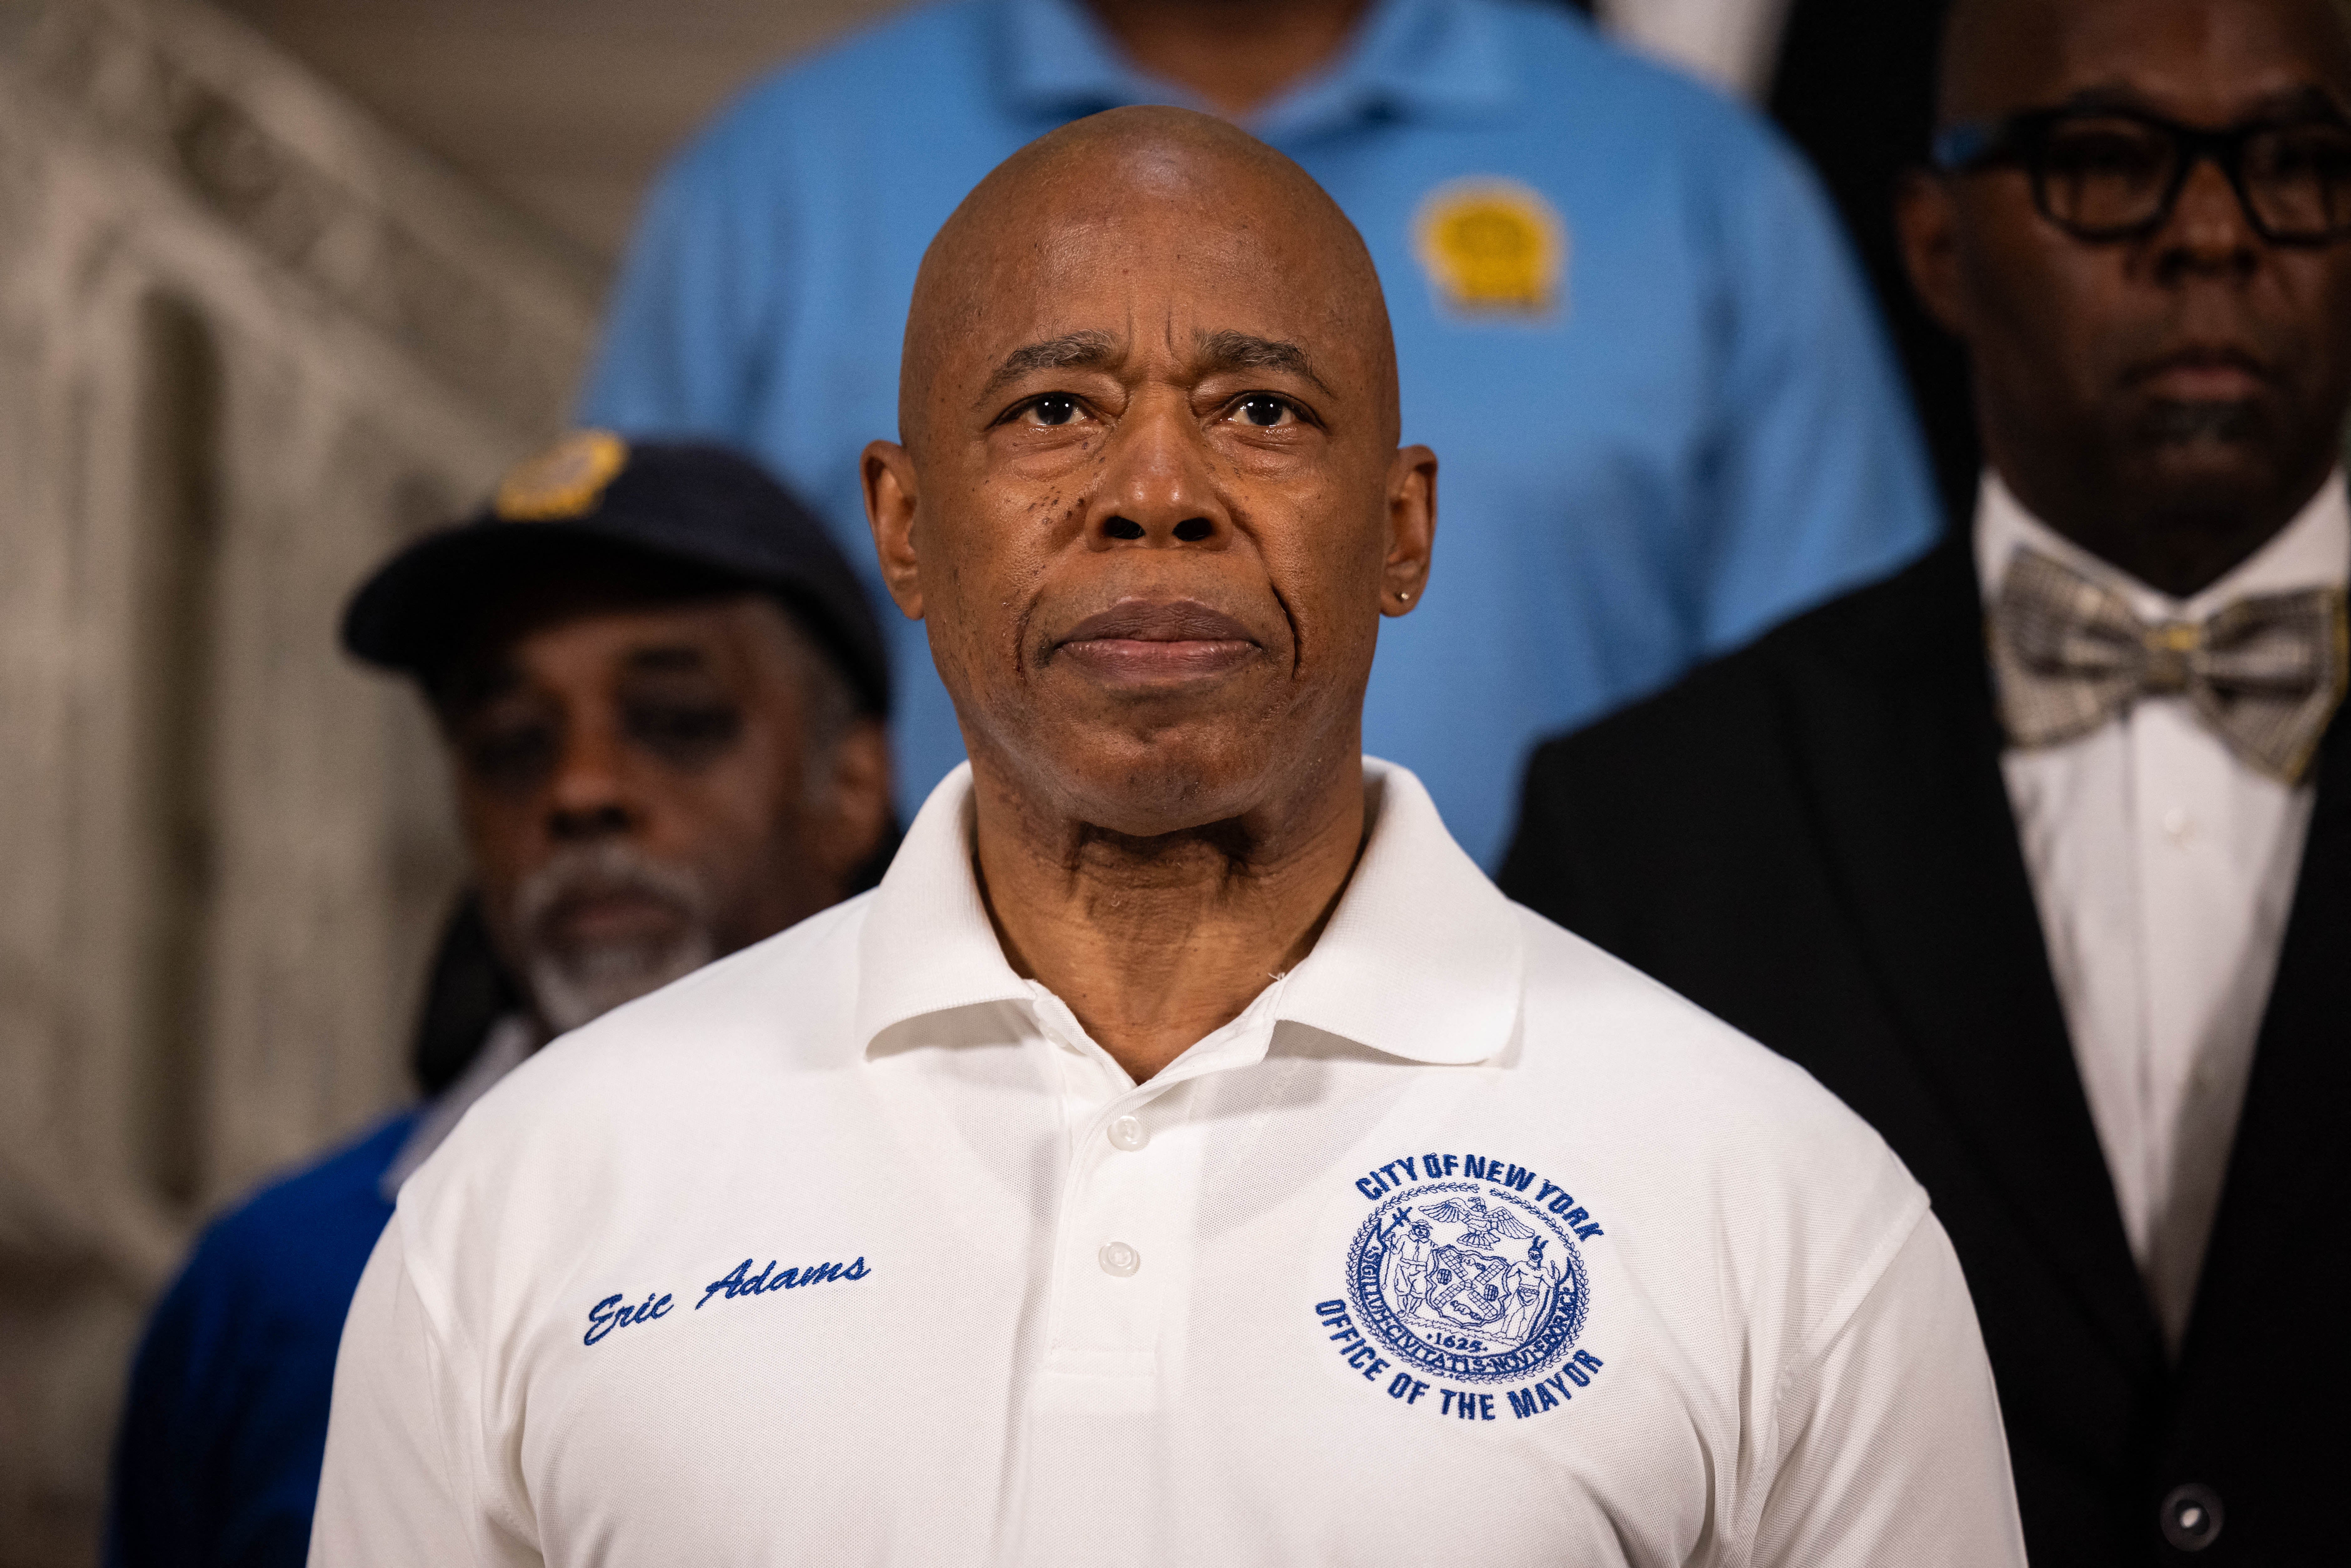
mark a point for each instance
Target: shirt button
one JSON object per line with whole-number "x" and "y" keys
{"x": 1128, "y": 1133}
{"x": 2190, "y": 1516}
{"x": 2177, "y": 825}
{"x": 1119, "y": 1258}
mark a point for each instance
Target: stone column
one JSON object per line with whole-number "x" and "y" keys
{"x": 247, "y": 341}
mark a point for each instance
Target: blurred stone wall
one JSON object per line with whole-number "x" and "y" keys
{"x": 247, "y": 341}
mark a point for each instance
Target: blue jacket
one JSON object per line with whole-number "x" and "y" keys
{"x": 225, "y": 1426}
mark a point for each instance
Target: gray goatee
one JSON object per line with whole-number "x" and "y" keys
{"x": 574, "y": 983}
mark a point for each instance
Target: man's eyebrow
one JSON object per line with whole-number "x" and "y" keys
{"x": 464, "y": 686}
{"x": 2307, "y": 100}
{"x": 2301, "y": 101}
{"x": 1246, "y": 351}
{"x": 1070, "y": 351}
{"x": 669, "y": 660}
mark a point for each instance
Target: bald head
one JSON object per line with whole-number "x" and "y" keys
{"x": 1149, "y": 498}
{"x": 1142, "y": 175}
{"x": 2167, "y": 395}
{"x": 2001, "y": 55}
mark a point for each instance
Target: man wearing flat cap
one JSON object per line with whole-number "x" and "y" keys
{"x": 1185, "y": 1156}
{"x": 662, "y": 692}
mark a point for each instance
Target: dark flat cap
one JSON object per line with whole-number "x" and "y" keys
{"x": 699, "y": 510}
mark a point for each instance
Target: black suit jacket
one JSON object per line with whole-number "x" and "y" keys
{"x": 1812, "y": 839}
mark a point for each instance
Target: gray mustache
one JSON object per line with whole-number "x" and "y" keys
{"x": 573, "y": 985}
{"x": 603, "y": 868}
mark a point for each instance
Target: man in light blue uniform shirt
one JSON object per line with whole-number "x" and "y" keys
{"x": 1623, "y": 312}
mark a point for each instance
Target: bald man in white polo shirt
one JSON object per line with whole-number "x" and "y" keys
{"x": 1186, "y": 1155}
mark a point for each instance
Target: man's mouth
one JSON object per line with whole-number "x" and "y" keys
{"x": 1140, "y": 643}
{"x": 2204, "y": 375}
{"x": 605, "y": 917}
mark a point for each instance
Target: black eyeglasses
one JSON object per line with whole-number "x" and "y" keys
{"x": 2115, "y": 174}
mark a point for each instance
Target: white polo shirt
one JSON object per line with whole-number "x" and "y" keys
{"x": 1464, "y": 1243}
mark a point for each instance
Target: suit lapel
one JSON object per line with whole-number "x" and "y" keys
{"x": 2290, "y": 1145}
{"x": 1897, "y": 731}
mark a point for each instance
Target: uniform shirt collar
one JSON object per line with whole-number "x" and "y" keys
{"x": 1422, "y": 59}
{"x": 506, "y": 1047}
{"x": 1422, "y": 959}
{"x": 2311, "y": 552}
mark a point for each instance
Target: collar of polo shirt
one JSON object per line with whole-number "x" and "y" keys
{"x": 1429, "y": 58}
{"x": 1423, "y": 958}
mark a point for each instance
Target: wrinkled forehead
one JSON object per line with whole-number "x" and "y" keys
{"x": 1163, "y": 272}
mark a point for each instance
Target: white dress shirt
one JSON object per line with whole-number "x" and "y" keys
{"x": 1463, "y": 1242}
{"x": 1734, "y": 43}
{"x": 2164, "y": 869}
{"x": 507, "y": 1046}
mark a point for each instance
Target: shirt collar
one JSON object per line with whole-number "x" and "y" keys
{"x": 2311, "y": 552}
{"x": 508, "y": 1045}
{"x": 1422, "y": 959}
{"x": 1421, "y": 59}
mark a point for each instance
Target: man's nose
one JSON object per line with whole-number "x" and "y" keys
{"x": 588, "y": 798}
{"x": 1158, "y": 485}
{"x": 2208, "y": 232}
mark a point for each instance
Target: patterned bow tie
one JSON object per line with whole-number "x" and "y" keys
{"x": 2265, "y": 674}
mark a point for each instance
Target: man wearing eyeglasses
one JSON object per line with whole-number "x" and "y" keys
{"x": 2038, "y": 855}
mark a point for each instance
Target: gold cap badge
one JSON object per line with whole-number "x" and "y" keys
{"x": 1492, "y": 247}
{"x": 564, "y": 481}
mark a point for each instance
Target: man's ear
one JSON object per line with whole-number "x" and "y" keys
{"x": 1412, "y": 529}
{"x": 860, "y": 800}
{"x": 1928, "y": 227}
{"x": 889, "y": 477}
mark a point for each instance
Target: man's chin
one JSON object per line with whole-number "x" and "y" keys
{"x": 593, "y": 928}
{"x": 2206, "y": 431}
{"x": 575, "y": 988}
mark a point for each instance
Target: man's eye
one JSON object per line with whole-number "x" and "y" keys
{"x": 1265, "y": 410}
{"x": 1054, "y": 408}
{"x": 512, "y": 755}
{"x": 687, "y": 734}
{"x": 2124, "y": 154}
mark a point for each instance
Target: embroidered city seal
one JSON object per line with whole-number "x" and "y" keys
{"x": 1468, "y": 1272}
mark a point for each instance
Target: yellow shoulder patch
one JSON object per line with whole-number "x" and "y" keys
{"x": 564, "y": 481}
{"x": 1492, "y": 247}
